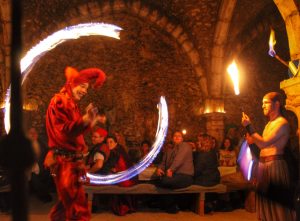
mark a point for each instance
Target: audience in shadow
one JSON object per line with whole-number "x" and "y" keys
{"x": 118, "y": 161}
{"x": 206, "y": 163}
{"x": 40, "y": 180}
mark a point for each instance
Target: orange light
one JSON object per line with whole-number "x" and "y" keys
{"x": 234, "y": 74}
{"x": 272, "y": 42}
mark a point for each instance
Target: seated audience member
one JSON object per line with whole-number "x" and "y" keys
{"x": 121, "y": 140}
{"x": 176, "y": 169}
{"x": 236, "y": 180}
{"x": 159, "y": 157}
{"x": 206, "y": 168}
{"x": 227, "y": 155}
{"x": 99, "y": 152}
{"x": 206, "y": 163}
{"x": 233, "y": 134}
{"x": 145, "y": 148}
{"x": 119, "y": 161}
{"x": 39, "y": 179}
{"x": 134, "y": 155}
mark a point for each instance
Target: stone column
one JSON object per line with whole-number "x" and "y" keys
{"x": 214, "y": 114}
{"x": 215, "y": 125}
{"x": 291, "y": 88}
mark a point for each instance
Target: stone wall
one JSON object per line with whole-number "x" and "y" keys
{"x": 144, "y": 65}
{"x": 148, "y": 62}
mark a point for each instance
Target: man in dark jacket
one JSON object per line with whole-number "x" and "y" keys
{"x": 176, "y": 169}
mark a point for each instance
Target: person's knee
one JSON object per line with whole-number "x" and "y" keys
{"x": 166, "y": 182}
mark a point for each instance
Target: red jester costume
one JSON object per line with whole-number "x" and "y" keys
{"x": 65, "y": 128}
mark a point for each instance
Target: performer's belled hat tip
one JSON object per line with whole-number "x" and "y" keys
{"x": 75, "y": 78}
{"x": 102, "y": 132}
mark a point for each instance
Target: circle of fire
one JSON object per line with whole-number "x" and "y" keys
{"x": 74, "y": 32}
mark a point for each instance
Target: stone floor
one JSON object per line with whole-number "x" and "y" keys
{"x": 39, "y": 211}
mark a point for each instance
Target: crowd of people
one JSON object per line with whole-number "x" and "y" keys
{"x": 180, "y": 164}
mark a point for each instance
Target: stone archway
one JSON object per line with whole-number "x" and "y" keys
{"x": 291, "y": 16}
{"x": 220, "y": 42}
{"x": 94, "y": 10}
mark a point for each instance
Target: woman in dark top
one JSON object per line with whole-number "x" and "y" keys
{"x": 227, "y": 153}
{"x": 206, "y": 163}
{"x": 119, "y": 161}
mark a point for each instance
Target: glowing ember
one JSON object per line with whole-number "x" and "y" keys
{"x": 272, "y": 43}
{"x": 234, "y": 74}
{"x": 68, "y": 33}
{"x": 72, "y": 32}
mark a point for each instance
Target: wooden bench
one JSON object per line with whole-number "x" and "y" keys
{"x": 4, "y": 189}
{"x": 146, "y": 188}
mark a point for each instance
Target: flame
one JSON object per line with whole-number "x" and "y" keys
{"x": 184, "y": 131}
{"x": 272, "y": 42}
{"x": 234, "y": 74}
{"x": 68, "y": 33}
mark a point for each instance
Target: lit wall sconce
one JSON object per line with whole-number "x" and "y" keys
{"x": 213, "y": 106}
{"x": 30, "y": 105}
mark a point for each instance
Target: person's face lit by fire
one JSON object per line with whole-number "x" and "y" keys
{"x": 268, "y": 106}
{"x": 97, "y": 138}
{"x": 80, "y": 91}
{"x": 111, "y": 143}
{"x": 177, "y": 138}
{"x": 227, "y": 144}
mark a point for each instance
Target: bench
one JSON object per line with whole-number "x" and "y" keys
{"x": 146, "y": 188}
{"x": 4, "y": 189}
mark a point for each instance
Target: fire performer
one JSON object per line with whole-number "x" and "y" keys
{"x": 273, "y": 180}
{"x": 65, "y": 128}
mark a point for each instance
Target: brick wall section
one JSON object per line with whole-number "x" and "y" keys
{"x": 141, "y": 67}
